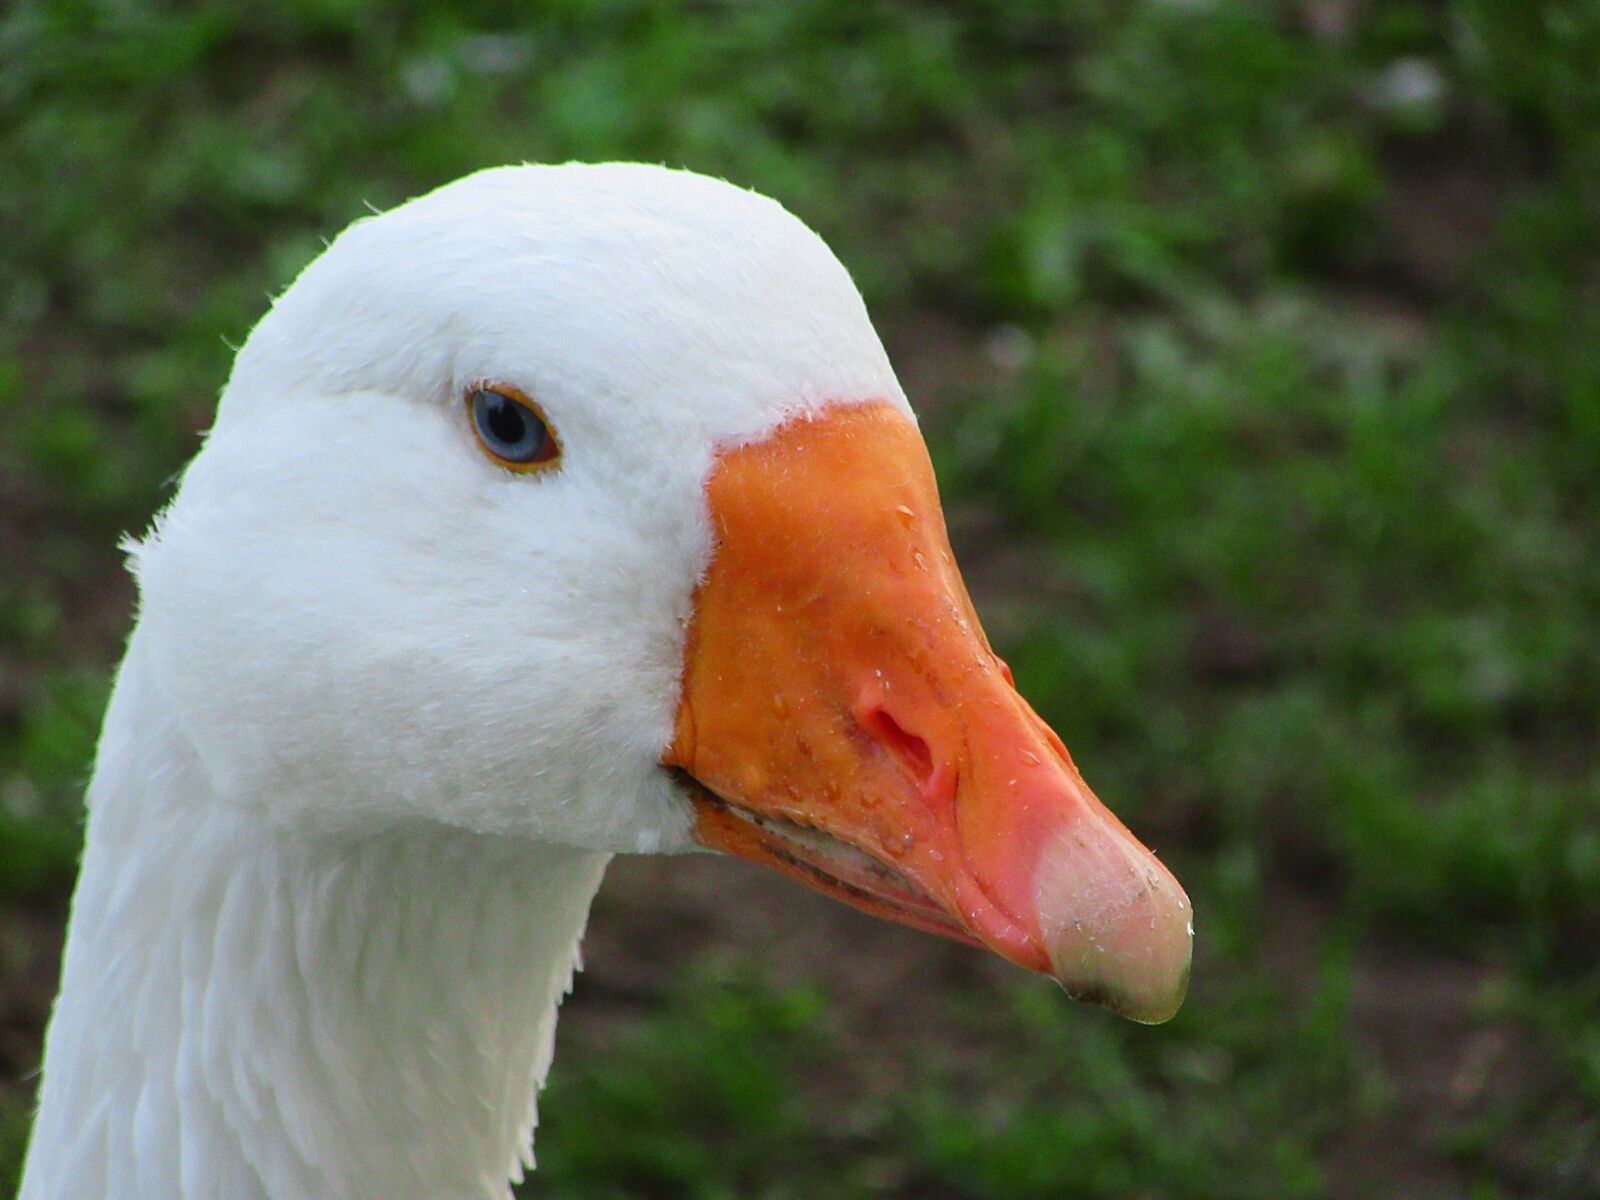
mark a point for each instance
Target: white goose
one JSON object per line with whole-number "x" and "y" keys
{"x": 563, "y": 512}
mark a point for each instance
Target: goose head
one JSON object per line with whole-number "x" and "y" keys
{"x": 581, "y": 504}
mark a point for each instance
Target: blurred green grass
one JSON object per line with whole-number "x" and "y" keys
{"x": 1257, "y": 344}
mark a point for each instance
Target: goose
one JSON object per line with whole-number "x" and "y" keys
{"x": 559, "y": 513}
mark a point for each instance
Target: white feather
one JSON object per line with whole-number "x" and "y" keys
{"x": 388, "y": 708}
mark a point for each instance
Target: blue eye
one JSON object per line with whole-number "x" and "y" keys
{"x": 511, "y": 429}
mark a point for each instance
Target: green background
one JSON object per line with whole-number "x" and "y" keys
{"x": 1258, "y": 346}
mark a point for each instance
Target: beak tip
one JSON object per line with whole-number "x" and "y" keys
{"x": 1125, "y": 941}
{"x": 1147, "y": 985}
{"x": 1153, "y": 1007}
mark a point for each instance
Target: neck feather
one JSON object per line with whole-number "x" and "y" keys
{"x": 249, "y": 1014}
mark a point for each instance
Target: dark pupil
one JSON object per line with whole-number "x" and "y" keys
{"x": 510, "y": 429}
{"x": 506, "y": 422}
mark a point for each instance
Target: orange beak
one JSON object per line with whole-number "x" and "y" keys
{"x": 844, "y": 720}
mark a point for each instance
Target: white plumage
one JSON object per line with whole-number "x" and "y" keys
{"x": 388, "y": 709}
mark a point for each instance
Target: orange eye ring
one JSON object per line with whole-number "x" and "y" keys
{"x": 511, "y": 429}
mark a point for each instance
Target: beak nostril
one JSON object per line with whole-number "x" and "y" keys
{"x": 910, "y": 750}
